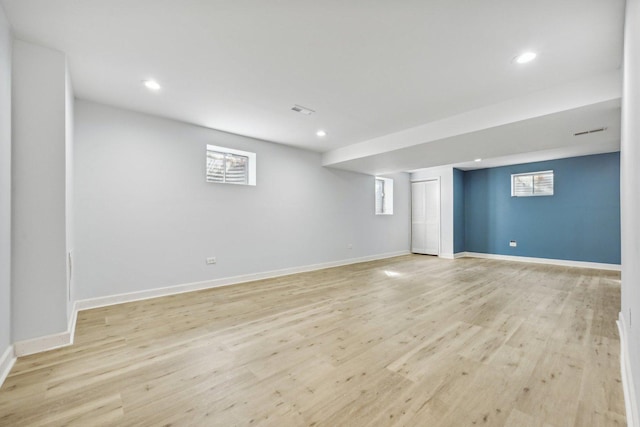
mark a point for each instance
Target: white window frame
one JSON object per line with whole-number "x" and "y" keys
{"x": 532, "y": 174}
{"x": 387, "y": 198}
{"x": 251, "y": 167}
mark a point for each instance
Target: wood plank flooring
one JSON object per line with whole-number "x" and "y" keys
{"x": 408, "y": 341}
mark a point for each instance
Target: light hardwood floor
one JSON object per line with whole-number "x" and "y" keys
{"x": 408, "y": 341}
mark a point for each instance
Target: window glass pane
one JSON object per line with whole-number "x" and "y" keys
{"x": 383, "y": 196}
{"x": 379, "y": 196}
{"x": 543, "y": 184}
{"x": 236, "y": 169}
{"x": 215, "y": 166}
{"x": 523, "y": 185}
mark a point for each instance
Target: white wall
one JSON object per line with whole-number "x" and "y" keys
{"x": 146, "y": 218}
{"x": 630, "y": 191}
{"x": 445, "y": 174}
{"x": 5, "y": 183}
{"x": 39, "y": 277}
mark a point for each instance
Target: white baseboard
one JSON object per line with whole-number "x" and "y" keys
{"x": 454, "y": 256}
{"x": 50, "y": 342}
{"x": 566, "y": 263}
{"x": 208, "y": 284}
{"x": 45, "y": 343}
{"x": 7, "y": 360}
{"x": 628, "y": 386}
{"x": 71, "y": 328}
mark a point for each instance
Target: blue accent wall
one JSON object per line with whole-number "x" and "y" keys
{"x": 580, "y": 222}
{"x": 458, "y": 211}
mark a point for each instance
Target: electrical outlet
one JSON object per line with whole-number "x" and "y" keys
{"x": 513, "y": 243}
{"x": 211, "y": 260}
{"x": 350, "y": 246}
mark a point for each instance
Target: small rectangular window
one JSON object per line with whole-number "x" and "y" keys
{"x": 384, "y": 196}
{"x": 229, "y": 166}
{"x": 532, "y": 184}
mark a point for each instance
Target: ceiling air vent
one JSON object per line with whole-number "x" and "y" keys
{"x": 303, "y": 110}
{"x": 590, "y": 131}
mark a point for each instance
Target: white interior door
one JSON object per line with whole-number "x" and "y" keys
{"x": 425, "y": 217}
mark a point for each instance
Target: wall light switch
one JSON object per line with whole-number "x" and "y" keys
{"x": 211, "y": 260}
{"x": 513, "y": 243}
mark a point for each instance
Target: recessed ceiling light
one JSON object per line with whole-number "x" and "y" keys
{"x": 151, "y": 84}
{"x": 477, "y": 160}
{"x": 525, "y": 57}
{"x": 321, "y": 133}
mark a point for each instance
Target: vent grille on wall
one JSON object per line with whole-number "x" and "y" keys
{"x": 585, "y": 132}
{"x": 303, "y": 110}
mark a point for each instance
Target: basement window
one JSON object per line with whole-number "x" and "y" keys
{"x": 229, "y": 166}
{"x": 384, "y": 196}
{"x": 532, "y": 184}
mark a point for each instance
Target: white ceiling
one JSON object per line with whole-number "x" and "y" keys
{"x": 368, "y": 67}
{"x": 535, "y": 139}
